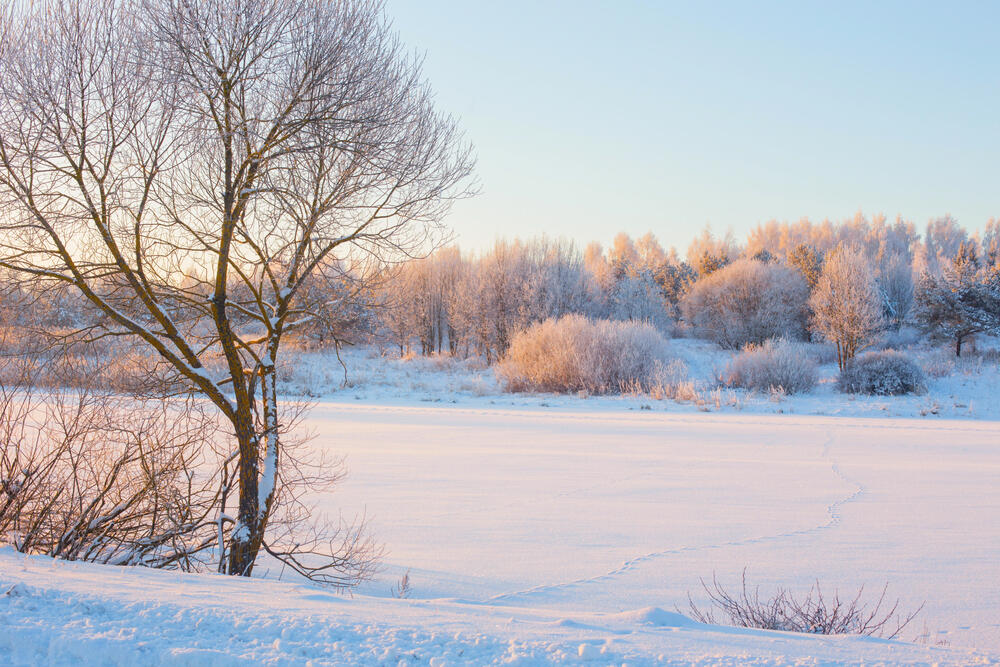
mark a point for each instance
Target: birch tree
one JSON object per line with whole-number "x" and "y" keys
{"x": 187, "y": 166}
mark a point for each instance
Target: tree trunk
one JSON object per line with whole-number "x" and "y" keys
{"x": 958, "y": 346}
{"x": 242, "y": 552}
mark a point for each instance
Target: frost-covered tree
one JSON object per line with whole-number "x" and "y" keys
{"x": 991, "y": 243}
{"x": 708, "y": 254}
{"x": 807, "y": 261}
{"x": 560, "y": 283}
{"x": 638, "y": 298}
{"x": 895, "y": 284}
{"x": 960, "y": 302}
{"x": 650, "y": 252}
{"x": 875, "y": 236}
{"x": 747, "y": 302}
{"x": 476, "y": 302}
{"x": 675, "y": 279}
{"x": 597, "y": 264}
{"x": 635, "y": 280}
{"x": 622, "y": 256}
{"x": 943, "y": 238}
{"x": 846, "y": 305}
{"x": 188, "y": 166}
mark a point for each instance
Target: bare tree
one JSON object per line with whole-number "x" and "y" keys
{"x": 189, "y": 165}
{"x": 846, "y": 303}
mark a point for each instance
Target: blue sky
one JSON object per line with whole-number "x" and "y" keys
{"x": 590, "y": 118}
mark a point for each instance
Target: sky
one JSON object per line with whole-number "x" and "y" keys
{"x": 589, "y": 118}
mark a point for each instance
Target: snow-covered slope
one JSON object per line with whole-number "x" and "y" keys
{"x": 59, "y": 613}
{"x": 535, "y": 536}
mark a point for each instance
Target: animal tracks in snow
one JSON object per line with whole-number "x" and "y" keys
{"x": 834, "y": 519}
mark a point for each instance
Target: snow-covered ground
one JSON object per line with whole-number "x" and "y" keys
{"x": 538, "y": 535}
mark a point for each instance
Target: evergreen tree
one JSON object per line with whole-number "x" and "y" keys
{"x": 963, "y": 301}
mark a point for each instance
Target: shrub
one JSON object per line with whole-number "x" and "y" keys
{"x": 777, "y": 364}
{"x": 576, "y": 354}
{"x": 108, "y": 479}
{"x": 898, "y": 339}
{"x": 129, "y": 480}
{"x": 885, "y": 373}
{"x": 816, "y": 613}
{"x": 938, "y": 363}
{"x": 671, "y": 380}
{"x": 748, "y": 302}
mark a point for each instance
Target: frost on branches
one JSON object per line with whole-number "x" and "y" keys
{"x": 961, "y": 301}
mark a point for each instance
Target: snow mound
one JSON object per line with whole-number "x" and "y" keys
{"x": 656, "y": 617}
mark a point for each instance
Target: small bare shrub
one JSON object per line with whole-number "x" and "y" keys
{"x": 671, "y": 382}
{"x": 477, "y": 386}
{"x": 402, "y": 588}
{"x": 886, "y": 373}
{"x": 435, "y": 362}
{"x": 574, "y": 354}
{"x": 813, "y": 614}
{"x": 777, "y": 364}
{"x": 897, "y": 339}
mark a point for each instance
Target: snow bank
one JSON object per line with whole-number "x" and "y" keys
{"x": 59, "y": 613}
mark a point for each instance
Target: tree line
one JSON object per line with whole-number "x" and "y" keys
{"x": 843, "y": 282}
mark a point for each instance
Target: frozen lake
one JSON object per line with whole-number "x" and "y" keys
{"x": 615, "y": 510}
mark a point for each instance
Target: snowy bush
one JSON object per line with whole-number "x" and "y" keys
{"x": 748, "y": 301}
{"x": 671, "y": 380}
{"x": 574, "y": 353}
{"x": 773, "y": 365}
{"x": 885, "y": 373}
